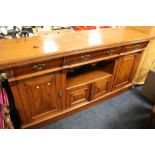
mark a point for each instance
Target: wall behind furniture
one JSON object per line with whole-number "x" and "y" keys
{"x": 148, "y": 57}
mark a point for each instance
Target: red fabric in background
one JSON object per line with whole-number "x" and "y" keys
{"x": 82, "y": 28}
{"x": 104, "y": 26}
{"x": 3, "y": 100}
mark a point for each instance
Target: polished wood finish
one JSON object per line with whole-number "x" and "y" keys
{"x": 92, "y": 55}
{"x": 75, "y": 109}
{"x": 78, "y": 95}
{"x": 36, "y": 67}
{"x": 39, "y": 96}
{"x": 87, "y": 86}
{"x": 99, "y": 88}
{"x": 87, "y": 77}
{"x": 23, "y": 50}
{"x": 135, "y": 46}
{"x": 124, "y": 71}
{"x": 40, "y": 79}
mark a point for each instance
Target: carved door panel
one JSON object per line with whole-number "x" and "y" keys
{"x": 39, "y": 96}
{"x": 125, "y": 69}
{"x": 78, "y": 95}
{"x": 99, "y": 88}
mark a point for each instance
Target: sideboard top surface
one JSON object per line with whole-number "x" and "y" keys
{"x": 24, "y": 50}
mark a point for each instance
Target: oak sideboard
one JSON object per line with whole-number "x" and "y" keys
{"x": 54, "y": 76}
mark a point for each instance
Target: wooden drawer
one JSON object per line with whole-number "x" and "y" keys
{"x": 135, "y": 46}
{"x": 92, "y": 55}
{"x": 35, "y": 67}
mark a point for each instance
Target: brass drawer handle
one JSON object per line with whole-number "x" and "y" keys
{"x": 85, "y": 57}
{"x": 136, "y": 46}
{"x": 110, "y": 52}
{"x": 39, "y": 66}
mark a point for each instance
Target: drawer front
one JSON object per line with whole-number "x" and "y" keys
{"x": 92, "y": 55}
{"x": 135, "y": 46}
{"x": 78, "y": 95}
{"x": 37, "y": 67}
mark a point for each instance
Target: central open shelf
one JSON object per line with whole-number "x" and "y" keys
{"x": 87, "y": 77}
{"x": 89, "y": 73}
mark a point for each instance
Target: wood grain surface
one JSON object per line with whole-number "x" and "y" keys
{"x": 25, "y": 50}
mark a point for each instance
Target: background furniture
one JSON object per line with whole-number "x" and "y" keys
{"x": 148, "y": 89}
{"x": 150, "y": 124}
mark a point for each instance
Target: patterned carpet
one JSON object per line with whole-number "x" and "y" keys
{"x": 129, "y": 110}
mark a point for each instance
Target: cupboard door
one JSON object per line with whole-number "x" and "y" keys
{"x": 78, "y": 95}
{"x": 99, "y": 88}
{"x": 124, "y": 70}
{"x": 39, "y": 95}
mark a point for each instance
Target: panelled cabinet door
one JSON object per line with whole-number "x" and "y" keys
{"x": 126, "y": 66}
{"x": 78, "y": 95}
{"x": 99, "y": 88}
{"x": 39, "y": 96}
